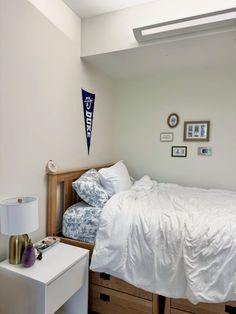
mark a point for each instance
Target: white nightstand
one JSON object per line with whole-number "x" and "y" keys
{"x": 58, "y": 281}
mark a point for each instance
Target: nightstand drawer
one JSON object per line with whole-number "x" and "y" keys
{"x": 107, "y": 301}
{"x": 112, "y": 282}
{"x": 59, "y": 290}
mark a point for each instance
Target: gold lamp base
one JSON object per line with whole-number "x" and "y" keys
{"x": 17, "y": 244}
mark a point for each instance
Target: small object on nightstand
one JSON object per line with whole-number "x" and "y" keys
{"x": 29, "y": 256}
{"x": 40, "y": 256}
{"x": 46, "y": 243}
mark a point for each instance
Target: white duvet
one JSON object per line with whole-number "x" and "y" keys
{"x": 175, "y": 241}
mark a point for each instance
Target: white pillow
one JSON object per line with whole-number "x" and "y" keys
{"x": 115, "y": 178}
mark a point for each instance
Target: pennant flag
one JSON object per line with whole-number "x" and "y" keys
{"x": 88, "y": 104}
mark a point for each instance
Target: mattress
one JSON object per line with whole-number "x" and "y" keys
{"x": 80, "y": 222}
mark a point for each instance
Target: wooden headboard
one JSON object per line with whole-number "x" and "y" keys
{"x": 67, "y": 196}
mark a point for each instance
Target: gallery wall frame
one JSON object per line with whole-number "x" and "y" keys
{"x": 166, "y": 137}
{"x": 173, "y": 120}
{"x": 197, "y": 131}
{"x": 179, "y": 151}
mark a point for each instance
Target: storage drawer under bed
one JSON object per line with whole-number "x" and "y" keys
{"x": 108, "y": 301}
{"x": 114, "y": 283}
{"x": 184, "y": 306}
{"x": 174, "y": 311}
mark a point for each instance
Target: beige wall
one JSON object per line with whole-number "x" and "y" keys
{"x": 41, "y": 115}
{"x": 141, "y": 110}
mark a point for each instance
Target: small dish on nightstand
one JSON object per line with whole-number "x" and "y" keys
{"x": 46, "y": 243}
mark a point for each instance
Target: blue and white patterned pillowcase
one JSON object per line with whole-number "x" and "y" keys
{"x": 80, "y": 222}
{"x": 90, "y": 190}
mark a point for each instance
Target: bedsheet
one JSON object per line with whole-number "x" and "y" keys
{"x": 175, "y": 241}
{"x": 80, "y": 222}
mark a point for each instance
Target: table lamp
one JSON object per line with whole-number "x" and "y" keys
{"x": 19, "y": 216}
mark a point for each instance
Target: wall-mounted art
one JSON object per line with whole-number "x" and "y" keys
{"x": 196, "y": 130}
{"x": 179, "y": 151}
{"x": 88, "y": 105}
{"x": 166, "y": 137}
{"x": 173, "y": 120}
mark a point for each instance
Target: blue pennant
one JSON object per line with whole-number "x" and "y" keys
{"x": 88, "y": 104}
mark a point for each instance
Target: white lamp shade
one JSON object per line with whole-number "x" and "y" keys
{"x": 19, "y": 215}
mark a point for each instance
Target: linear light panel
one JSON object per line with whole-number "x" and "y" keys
{"x": 186, "y": 25}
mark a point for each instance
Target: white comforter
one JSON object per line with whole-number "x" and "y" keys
{"x": 175, "y": 241}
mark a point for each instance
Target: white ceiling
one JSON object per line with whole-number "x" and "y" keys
{"x": 88, "y": 8}
{"x": 191, "y": 53}
{"x": 212, "y": 51}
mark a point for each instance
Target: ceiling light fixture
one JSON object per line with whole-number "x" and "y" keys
{"x": 197, "y": 23}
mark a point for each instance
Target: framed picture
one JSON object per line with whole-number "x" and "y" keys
{"x": 166, "y": 137}
{"x": 179, "y": 151}
{"x": 196, "y": 130}
{"x": 173, "y": 120}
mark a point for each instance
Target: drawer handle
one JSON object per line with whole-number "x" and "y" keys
{"x": 104, "y": 276}
{"x": 230, "y": 309}
{"x": 104, "y": 297}
{"x": 161, "y": 304}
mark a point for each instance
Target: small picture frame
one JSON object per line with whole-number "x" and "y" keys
{"x": 197, "y": 131}
{"x": 166, "y": 137}
{"x": 179, "y": 151}
{"x": 173, "y": 120}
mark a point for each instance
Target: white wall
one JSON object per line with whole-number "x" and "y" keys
{"x": 61, "y": 16}
{"x": 141, "y": 111}
{"x": 113, "y": 31}
{"x": 41, "y": 115}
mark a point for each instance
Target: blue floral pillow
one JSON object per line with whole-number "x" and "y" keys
{"x": 89, "y": 189}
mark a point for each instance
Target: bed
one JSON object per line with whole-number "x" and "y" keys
{"x": 69, "y": 197}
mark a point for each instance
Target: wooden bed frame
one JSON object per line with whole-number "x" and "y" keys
{"x": 60, "y": 191}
